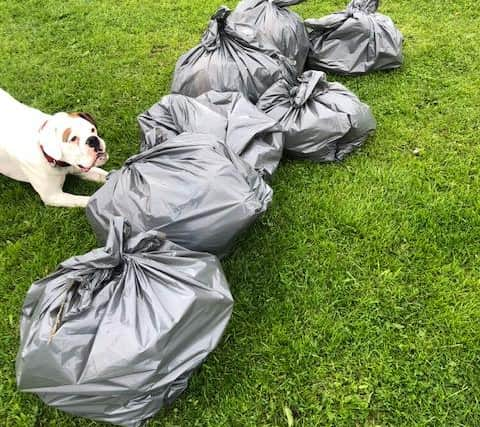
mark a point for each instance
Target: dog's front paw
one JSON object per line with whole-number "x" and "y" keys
{"x": 102, "y": 178}
{"x": 96, "y": 175}
{"x": 65, "y": 200}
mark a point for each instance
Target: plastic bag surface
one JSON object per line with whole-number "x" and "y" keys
{"x": 115, "y": 334}
{"x": 322, "y": 121}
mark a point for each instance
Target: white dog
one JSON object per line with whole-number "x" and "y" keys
{"x": 42, "y": 149}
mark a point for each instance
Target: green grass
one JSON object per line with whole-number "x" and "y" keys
{"x": 357, "y": 295}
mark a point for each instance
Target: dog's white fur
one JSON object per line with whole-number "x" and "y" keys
{"x": 25, "y": 130}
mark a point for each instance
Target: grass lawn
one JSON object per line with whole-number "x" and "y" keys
{"x": 357, "y": 294}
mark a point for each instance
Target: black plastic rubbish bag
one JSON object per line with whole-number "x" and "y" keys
{"x": 247, "y": 131}
{"x": 322, "y": 121}
{"x": 281, "y": 27}
{"x": 355, "y": 41}
{"x": 191, "y": 187}
{"x": 230, "y": 58}
{"x": 115, "y": 334}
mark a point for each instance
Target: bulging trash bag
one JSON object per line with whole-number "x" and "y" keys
{"x": 322, "y": 121}
{"x": 191, "y": 187}
{"x": 283, "y": 28}
{"x": 230, "y": 58}
{"x": 355, "y": 41}
{"x": 115, "y": 334}
{"x": 247, "y": 131}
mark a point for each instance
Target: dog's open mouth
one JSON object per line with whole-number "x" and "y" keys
{"x": 101, "y": 159}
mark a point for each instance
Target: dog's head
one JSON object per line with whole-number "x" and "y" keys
{"x": 73, "y": 138}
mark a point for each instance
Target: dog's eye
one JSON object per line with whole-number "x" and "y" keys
{"x": 93, "y": 130}
{"x": 73, "y": 139}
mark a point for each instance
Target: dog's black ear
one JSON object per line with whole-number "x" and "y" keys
{"x": 86, "y": 116}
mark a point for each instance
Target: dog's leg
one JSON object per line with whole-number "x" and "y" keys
{"x": 50, "y": 191}
{"x": 95, "y": 174}
{"x": 66, "y": 200}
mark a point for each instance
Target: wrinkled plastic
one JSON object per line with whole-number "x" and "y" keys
{"x": 230, "y": 58}
{"x": 192, "y": 187}
{"x": 115, "y": 334}
{"x": 322, "y": 121}
{"x": 355, "y": 41}
{"x": 246, "y": 130}
{"x": 282, "y": 28}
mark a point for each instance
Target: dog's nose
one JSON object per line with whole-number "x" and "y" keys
{"x": 94, "y": 142}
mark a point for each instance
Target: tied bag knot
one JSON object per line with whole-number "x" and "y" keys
{"x": 285, "y": 3}
{"x": 366, "y": 6}
{"x": 309, "y": 82}
{"x": 98, "y": 267}
{"x": 211, "y": 37}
